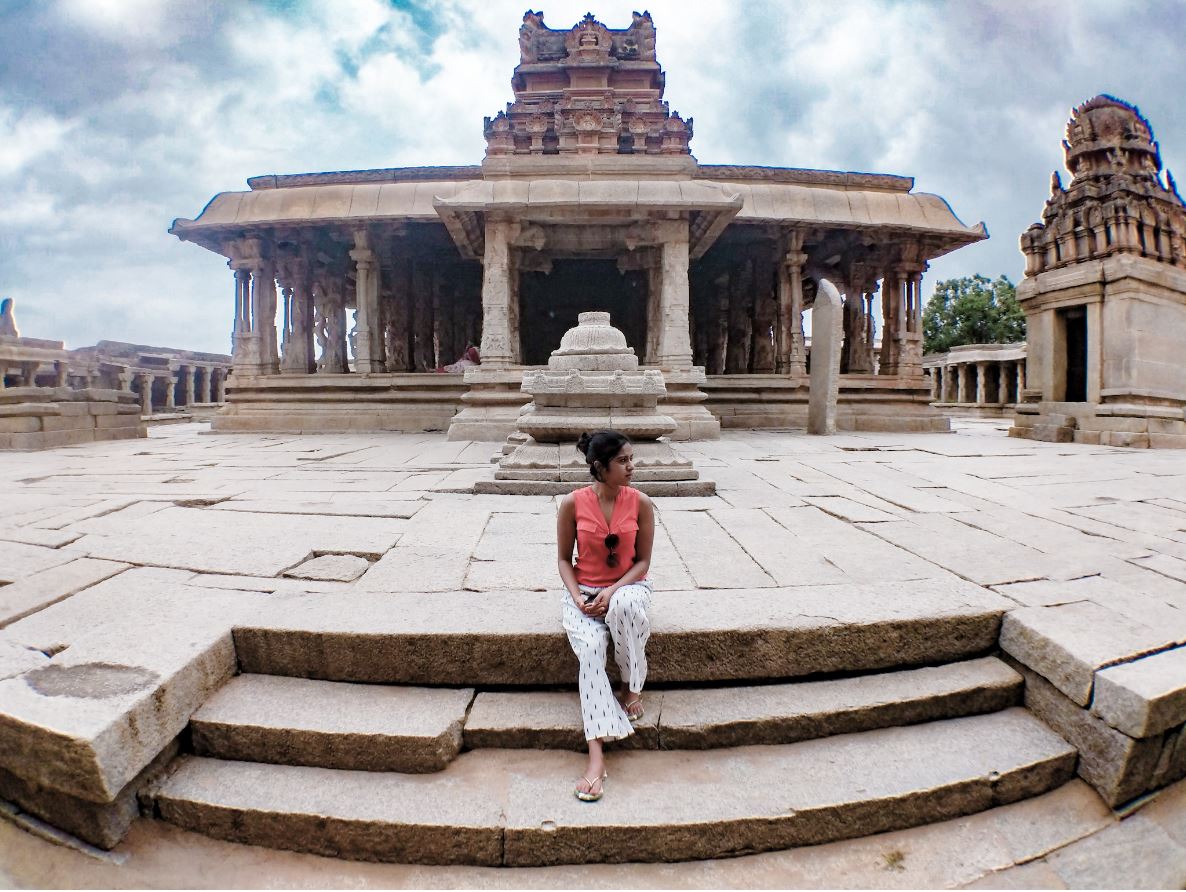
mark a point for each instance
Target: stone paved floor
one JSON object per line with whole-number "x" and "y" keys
{"x": 1038, "y": 523}
{"x": 233, "y": 518}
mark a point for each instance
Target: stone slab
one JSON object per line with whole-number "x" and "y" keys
{"x": 784, "y": 713}
{"x": 516, "y": 638}
{"x": 515, "y": 808}
{"x": 233, "y": 542}
{"x": 1141, "y": 698}
{"x": 1067, "y": 643}
{"x": 40, "y": 590}
{"x": 547, "y": 720}
{"x": 18, "y": 561}
{"x": 1119, "y": 767}
{"x": 17, "y": 659}
{"x": 297, "y": 721}
{"x": 100, "y": 824}
{"x": 331, "y": 567}
{"x": 1134, "y": 854}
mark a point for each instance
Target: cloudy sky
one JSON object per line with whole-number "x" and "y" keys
{"x": 118, "y": 115}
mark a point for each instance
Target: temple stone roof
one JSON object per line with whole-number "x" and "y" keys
{"x": 748, "y": 201}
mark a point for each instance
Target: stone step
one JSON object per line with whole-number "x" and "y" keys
{"x": 297, "y": 721}
{"x": 762, "y": 714}
{"x": 513, "y": 807}
{"x": 515, "y": 638}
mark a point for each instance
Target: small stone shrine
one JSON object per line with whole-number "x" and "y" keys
{"x": 591, "y": 382}
{"x": 1104, "y": 292}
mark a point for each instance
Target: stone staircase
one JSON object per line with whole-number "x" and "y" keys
{"x": 297, "y": 753}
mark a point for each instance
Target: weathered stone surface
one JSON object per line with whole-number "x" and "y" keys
{"x": 1067, "y": 643}
{"x": 1134, "y": 854}
{"x": 658, "y": 806}
{"x": 100, "y": 824}
{"x": 18, "y": 561}
{"x": 826, "y": 333}
{"x": 783, "y": 713}
{"x": 547, "y": 720}
{"x": 16, "y": 659}
{"x": 453, "y": 817}
{"x": 89, "y": 720}
{"x": 1118, "y": 766}
{"x": 515, "y": 638}
{"x": 331, "y": 567}
{"x": 39, "y": 590}
{"x": 1144, "y": 697}
{"x": 234, "y": 542}
{"x": 296, "y": 721}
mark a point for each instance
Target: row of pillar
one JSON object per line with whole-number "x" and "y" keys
{"x": 955, "y": 383}
{"x": 390, "y": 335}
{"x": 206, "y": 382}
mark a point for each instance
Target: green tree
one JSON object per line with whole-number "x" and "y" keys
{"x": 972, "y": 310}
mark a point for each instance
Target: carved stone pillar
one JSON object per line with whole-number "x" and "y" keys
{"x": 764, "y": 315}
{"x": 330, "y": 323}
{"x": 61, "y": 373}
{"x": 244, "y": 342}
{"x": 891, "y": 307}
{"x": 220, "y": 396}
{"x": 497, "y": 293}
{"x": 298, "y": 355}
{"x": 263, "y": 315}
{"x": 206, "y": 372}
{"x": 1020, "y": 379}
{"x": 170, "y": 390}
{"x": 961, "y": 380}
{"x": 741, "y": 294}
{"x": 675, "y": 342}
{"x": 423, "y": 357}
{"x": 936, "y": 374}
{"x": 911, "y": 362}
{"x": 1002, "y": 383}
{"x": 368, "y": 344}
{"x": 718, "y": 336}
{"x": 791, "y": 356}
{"x": 190, "y": 384}
{"x": 981, "y": 382}
{"x": 145, "y": 379}
{"x": 396, "y": 332}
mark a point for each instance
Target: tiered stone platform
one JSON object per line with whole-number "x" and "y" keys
{"x": 325, "y": 644}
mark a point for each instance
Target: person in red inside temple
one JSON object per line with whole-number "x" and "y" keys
{"x": 468, "y": 359}
{"x": 606, "y": 593}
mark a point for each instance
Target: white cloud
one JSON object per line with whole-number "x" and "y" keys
{"x": 178, "y": 100}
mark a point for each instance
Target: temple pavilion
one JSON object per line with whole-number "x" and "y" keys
{"x": 352, "y": 288}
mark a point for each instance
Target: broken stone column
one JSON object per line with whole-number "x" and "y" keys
{"x": 826, "y": 320}
{"x": 592, "y": 381}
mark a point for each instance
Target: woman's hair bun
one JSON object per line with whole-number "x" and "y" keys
{"x": 583, "y": 443}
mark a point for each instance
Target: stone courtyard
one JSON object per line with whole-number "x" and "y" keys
{"x": 363, "y": 557}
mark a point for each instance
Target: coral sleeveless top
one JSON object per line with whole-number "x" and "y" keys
{"x": 591, "y": 567}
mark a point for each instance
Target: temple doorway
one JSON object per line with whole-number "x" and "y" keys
{"x": 1074, "y": 320}
{"x": 550, "y": 302}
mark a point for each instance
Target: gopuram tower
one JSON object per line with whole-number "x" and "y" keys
{"x": 588, "y": 199}
{"x": 1104, "y": 292}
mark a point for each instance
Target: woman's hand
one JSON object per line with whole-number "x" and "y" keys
{"x": 599, "y": 606}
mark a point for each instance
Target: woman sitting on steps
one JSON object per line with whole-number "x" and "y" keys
{"x": 606, "y": 593}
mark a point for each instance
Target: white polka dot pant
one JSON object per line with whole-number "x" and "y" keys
{"x": 626, "y": 621}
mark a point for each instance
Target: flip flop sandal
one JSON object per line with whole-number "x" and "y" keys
{"x": 634, "y": 716}
{"x": 589, "y": 795}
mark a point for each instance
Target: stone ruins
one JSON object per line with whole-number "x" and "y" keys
{"x": 984, "y": 380}
{"x": 51, "y": 396}
{"x": 1104, "y": 292}
{"x": 592, "y": 381}
{"x": 588, "y": 199}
